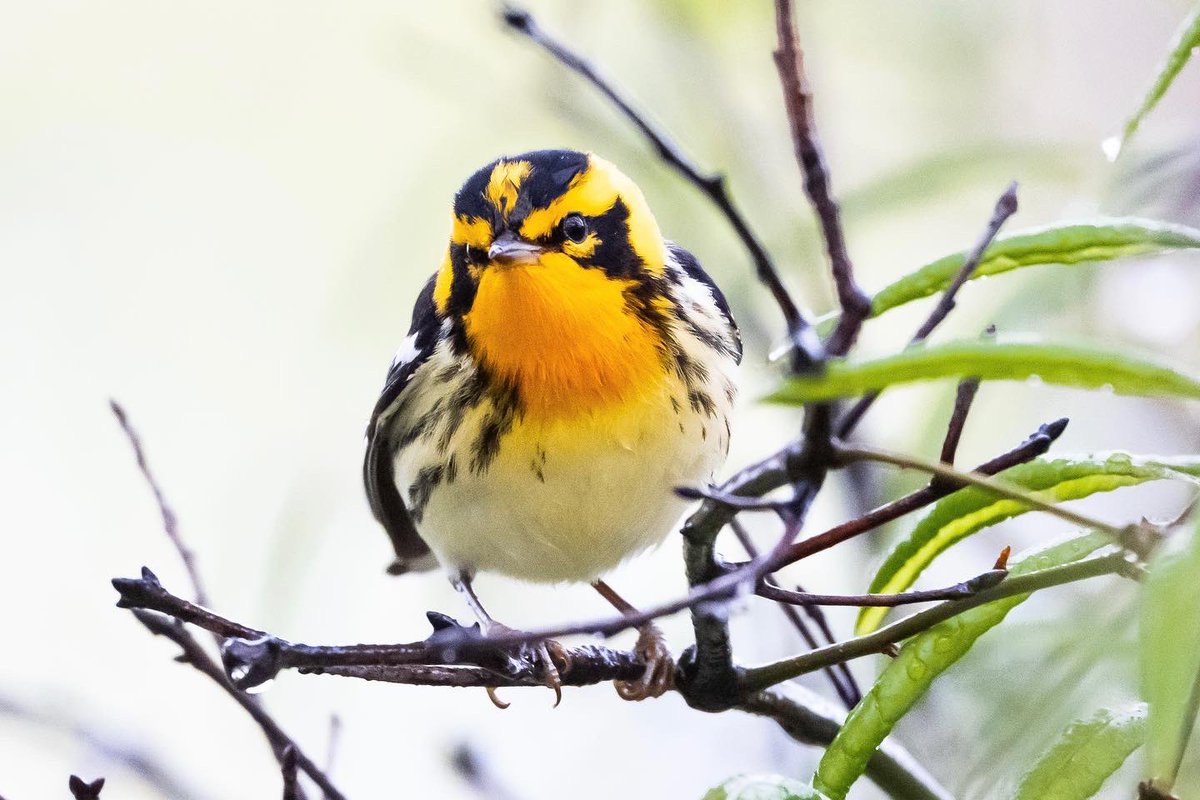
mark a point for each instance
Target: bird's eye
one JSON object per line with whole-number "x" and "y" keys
{"x": 575, "y": 228}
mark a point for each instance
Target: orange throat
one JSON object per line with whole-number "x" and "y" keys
{"x": 564, "y": 337}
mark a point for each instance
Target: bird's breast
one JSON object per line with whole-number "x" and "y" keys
{"x": 564, "y": 337}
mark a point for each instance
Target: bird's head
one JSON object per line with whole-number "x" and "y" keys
{"x": 551, "y": 210}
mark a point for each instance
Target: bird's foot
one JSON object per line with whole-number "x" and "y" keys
{"x": 550, "y": 662}
{"x": 659, "y": 677}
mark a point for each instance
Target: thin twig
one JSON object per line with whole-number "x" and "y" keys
{"x": 1005, "y": 207}
{"x": 712, "y": 185}
{"x": 196, "y": 656}
{"x": 964, "y": 396}
{"x": 287, "y": 766}
{"x": 959, "y": 591}
{"x": 169, "y": 521}
{"x": 757, "y": 678}
{"x": 1031, "y": 448}
{"x": 789, "y": 60}
{"x": 959, "y": 478}
{"x": 839, "y": 675}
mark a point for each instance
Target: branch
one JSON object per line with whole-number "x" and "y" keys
{"x": 959, "y": 591}
{"x": 1036, "y": 445}
{"x": 287, "y": 767}
{"x": 800, "y": 330}
{"x": 1008, "y": 491}
{"x": 170, "y": 522}
{"x": 964, "y": 397}
{"x": 196, "y": 656}
{"x": 1005, "y": 207}
{"x": 789, "y": 60}
{"x": 757, "y": 678}
{"x": 839, "y": 675}
{"x": 454, "y": 655}
{"x": 279, "y": 746}
{"x": 806, "y": 718}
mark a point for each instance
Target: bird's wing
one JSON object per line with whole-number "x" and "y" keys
{"x": 688, "y": 263}
{"x": 386, "y": 503}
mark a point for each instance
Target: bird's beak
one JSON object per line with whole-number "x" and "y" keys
{"x": 508, "y": 249}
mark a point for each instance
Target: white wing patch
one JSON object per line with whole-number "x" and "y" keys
{"x": 408, "y": 351}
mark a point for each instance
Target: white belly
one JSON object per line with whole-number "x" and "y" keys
{"x": 568, "y": 501}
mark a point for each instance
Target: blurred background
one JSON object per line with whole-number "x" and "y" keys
{"x": 220, "y": 214}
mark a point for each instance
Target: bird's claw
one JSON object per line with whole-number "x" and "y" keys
{"x": 659, "y": 677}
{"x": 550, "y": 662}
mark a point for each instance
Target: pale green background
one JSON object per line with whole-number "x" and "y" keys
{"x": 219, "y": 213}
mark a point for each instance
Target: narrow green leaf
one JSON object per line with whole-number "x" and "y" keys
{"x": 1061, "y": 243}
{"x": 1170, "y": 652}
{"x": 907, "y": 677}
{"x": 763, "y": 787}
{"x": 1085, "y": 755}
{"x": 1001, "y": 359}
{"x": 1187, "y": 39}
{"x": 970, "y": 510}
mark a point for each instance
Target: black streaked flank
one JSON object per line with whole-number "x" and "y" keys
{"x": 422, "y": 488}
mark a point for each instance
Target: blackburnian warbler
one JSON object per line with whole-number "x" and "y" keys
{"x": 565, "y": 370}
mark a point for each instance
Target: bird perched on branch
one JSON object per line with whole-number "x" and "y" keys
{"x": 565, "y": 370}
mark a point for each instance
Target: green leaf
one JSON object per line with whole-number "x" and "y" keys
{"x": 763, "y": 787}
{"x": 1187, "y": 39}
{"x": 907, "y": 677}
{"x": 1001, "y": 359}
{"x": 1170, "y": 652}
{"x": 1062, "y": 243}
{"x": 1085, "y": 755}
{"x": 970, "y": 510}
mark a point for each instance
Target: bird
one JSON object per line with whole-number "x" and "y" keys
{"x": 566, "y": 368}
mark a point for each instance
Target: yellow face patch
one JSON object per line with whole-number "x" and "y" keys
{"x": 593, "y": 192}
{"x": 563, "y": 337}
{"x": 504, "y": 185}
{"x": 471, "y": 231}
